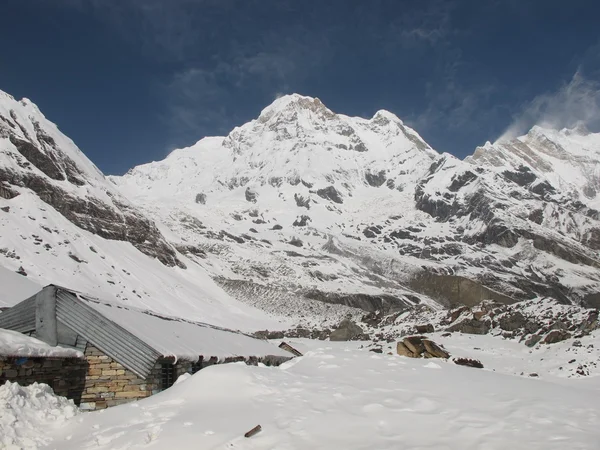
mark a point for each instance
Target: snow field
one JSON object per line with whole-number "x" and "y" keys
{"x": 340, "y": 396}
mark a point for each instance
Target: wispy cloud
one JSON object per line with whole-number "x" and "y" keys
{"x": 576, "y": 102}
{"x": 204, "y": 97}
{"x": 426, "y": 23}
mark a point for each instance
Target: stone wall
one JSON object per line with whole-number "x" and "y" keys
{"x": 66, "y": 376}
{"x": 98, "y": 381}
{"x": 108, "y": 383}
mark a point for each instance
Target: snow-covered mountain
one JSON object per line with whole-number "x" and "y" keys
{"x": 306, "y": 203}
{"x": 308, "y": 214}
{"x": 63, "y": 222}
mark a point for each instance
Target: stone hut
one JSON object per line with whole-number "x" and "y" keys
{"x": 26, "y": 360}
{"x": 128, "y": 354}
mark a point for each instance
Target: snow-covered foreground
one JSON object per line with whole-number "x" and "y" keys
{"x": 26, "y": 411}
{"x": 341, "y": 396}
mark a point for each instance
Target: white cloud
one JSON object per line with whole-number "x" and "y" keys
{"x": 574, "y": 103}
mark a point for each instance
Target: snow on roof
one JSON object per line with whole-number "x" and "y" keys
{"x": 15, "y": 288}
{"x": 180, "y": 338}
{"x": 13, "y": 343}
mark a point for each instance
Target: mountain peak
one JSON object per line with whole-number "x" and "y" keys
{"x": 289, "y": 106}
{"x": 386, "y": 116}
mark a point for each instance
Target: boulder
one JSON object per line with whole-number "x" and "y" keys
{"x": 422, "y": 329}
{"x": 403, "y": 350}
{"x": 556, "y": 336}
{"x": 533, "y": 340}
{"x": 468, "y": 362}
{"x": 435, "y": 350}
{"x": 415, "y": 344}
{"x": 347, "y": 330}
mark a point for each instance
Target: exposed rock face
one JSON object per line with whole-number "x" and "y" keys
{"x": 301, "y": 221}
{"x": 302, "y": 201}
{"x": 330, "y": 193}
{"x": 385, "y": 303}
{"x": 377, "y": 179}
{"x": 454, "y": 290}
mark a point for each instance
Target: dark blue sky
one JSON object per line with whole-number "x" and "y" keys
{"x": 129, "y": 80}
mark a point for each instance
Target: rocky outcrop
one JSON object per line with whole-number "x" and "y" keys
{"x": 330, "y": 193}
{"x": 42, "y": 166}
{"x": 251, "y": 195}
{"x": 375, "y": 179}
{"x": 384, "y": 303}
{"x": 121, "y": 223}
{"x": 301, "y": 221}
{"x": 453, "y": 290}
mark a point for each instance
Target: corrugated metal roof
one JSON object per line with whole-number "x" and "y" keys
{"x": 20, "y": 318}
{"x": 105, "y": 334}
{"x": 180, "y": 338}
{"x": 137, "y": 338}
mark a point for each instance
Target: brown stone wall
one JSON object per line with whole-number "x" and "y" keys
{"x": 108, "y": 383}
{"x": 66, "y": 376}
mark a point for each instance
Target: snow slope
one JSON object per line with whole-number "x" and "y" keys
{"x": 15, "y": 287}
{"x": 339, "y": 396}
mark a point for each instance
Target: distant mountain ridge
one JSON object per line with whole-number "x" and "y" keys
{"x": 309, "y": 214}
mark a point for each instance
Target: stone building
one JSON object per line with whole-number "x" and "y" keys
{"x": 25, "y": 360}
{"x": 125, "y": 353}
